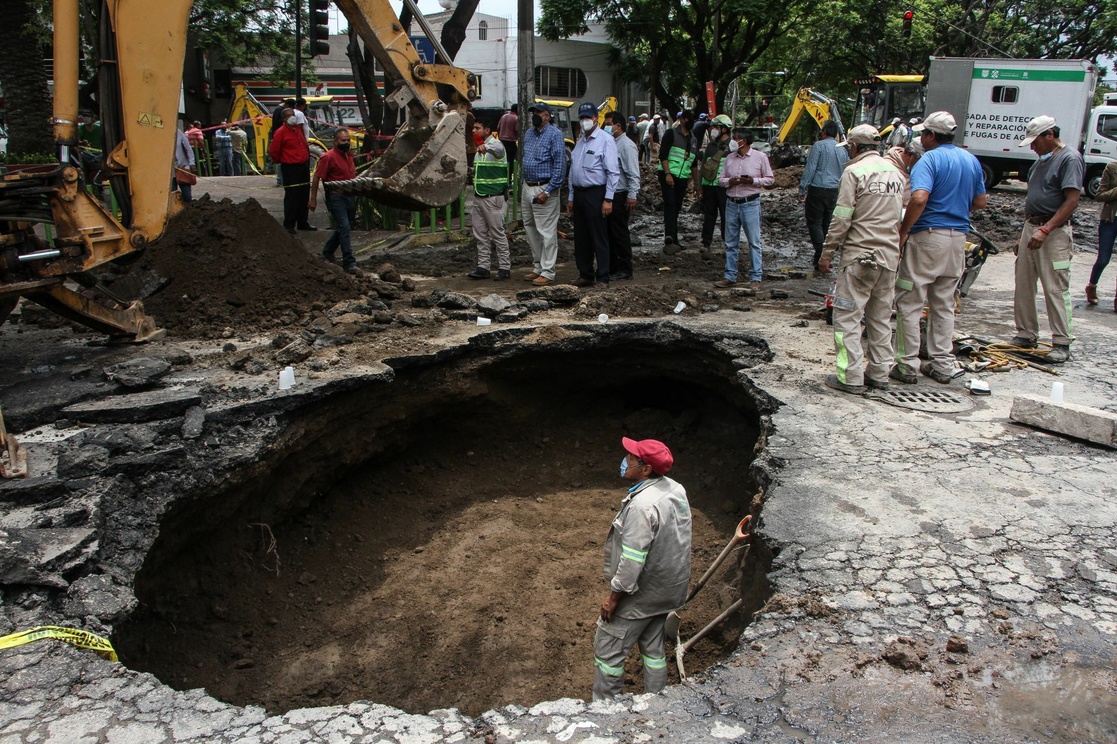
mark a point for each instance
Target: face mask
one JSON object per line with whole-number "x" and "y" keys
{"x": 1046, "y": 157}
{"x": 291, "y": 122}
{"x": 733, "y": 146}
{"x": 343, "y": 146}
{"x": 714, "y": 132}
{"x": 536, "y": 120}
{"x": 624, "y": 466}
{"x": 587, "y": 124}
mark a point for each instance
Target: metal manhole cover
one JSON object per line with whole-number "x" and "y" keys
{"x": 929, "y": 399}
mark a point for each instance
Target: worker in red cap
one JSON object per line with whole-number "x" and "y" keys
{"x": 647, "y": 565}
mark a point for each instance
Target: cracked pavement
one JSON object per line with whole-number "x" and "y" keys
{"x": 938, "y": 577}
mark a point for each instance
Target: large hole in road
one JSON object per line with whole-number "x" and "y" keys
{"x": 436, "y": 541}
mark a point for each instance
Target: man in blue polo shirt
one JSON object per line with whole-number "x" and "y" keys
{"x": 543, "y": 167}
{"x": 946, "y": 185}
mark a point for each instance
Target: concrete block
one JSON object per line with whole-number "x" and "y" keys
{"x": 1081, "y": 422}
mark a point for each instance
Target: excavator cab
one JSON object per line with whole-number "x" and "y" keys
{"x": 881, "y": 98}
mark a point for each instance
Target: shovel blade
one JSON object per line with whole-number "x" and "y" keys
{"x": 671, "y": 626}
{"x": 424, "y": 167}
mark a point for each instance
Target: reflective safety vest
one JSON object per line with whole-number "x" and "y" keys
{"x": 715, "y": 153}
{"x": 680, "y": 160}
{"x": 490, "y": 177}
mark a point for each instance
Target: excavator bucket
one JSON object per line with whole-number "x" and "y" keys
{"x": 425, "y": 166}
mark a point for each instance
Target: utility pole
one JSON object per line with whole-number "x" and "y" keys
{"x": 525, "y": 61}
{"x": 298, "y": 47}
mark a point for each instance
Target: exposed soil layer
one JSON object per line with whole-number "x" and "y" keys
{"x": 233, "y": 265}
{"x": 461, "y": 564}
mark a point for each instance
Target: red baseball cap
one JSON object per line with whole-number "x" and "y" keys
{"x": 651, "y": 451}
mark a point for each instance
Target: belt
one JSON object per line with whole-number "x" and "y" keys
{"x": 1038, "y": 219}
{"x": 743, "y": 199}
{"x": 537, "y": 183}
{"x": 591, "y": 186}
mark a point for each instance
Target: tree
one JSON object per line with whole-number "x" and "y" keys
{"x": 687, "y": 43}
{"x": 23, "y": 75}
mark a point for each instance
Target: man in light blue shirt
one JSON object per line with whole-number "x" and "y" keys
{"x": 624, "y": 199}
{"x": 542, "y": 167}
{"x": 946, "y": 185}
{"x": 818, "y": 187}
{"x": 594, "y": 175}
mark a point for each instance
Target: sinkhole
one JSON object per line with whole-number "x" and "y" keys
{"x": 435, "y": 541}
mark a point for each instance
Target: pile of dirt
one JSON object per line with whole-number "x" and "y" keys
{"x": 229, "y": 265}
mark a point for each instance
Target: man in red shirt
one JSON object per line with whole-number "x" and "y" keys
{"x": 337, "y": 165}
{"x": 508, "y": 132}
{"x": 290, "y": 150}
{"x": 195, "y": 135}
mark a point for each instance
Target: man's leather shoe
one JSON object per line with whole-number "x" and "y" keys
{"x": 291, "y": 230}
{"x": 582, "y": 282}
{"x": 502, "y": 275}
{"x": 541, "y": 281}
{"x": 724, "y": 283}
{"x": 619, "y": 277}
{"x": 308, "y": 228}
{"x": 479, "y": 273}
{"x": 531, "y": 277}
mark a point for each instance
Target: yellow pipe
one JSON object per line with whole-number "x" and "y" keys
{"x": 66, "y": 73}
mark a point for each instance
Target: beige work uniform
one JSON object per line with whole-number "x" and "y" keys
{"x": 866, "y": 226}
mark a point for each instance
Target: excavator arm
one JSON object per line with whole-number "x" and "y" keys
{"x": 814, "y": 104}
{"x": 142, "y": 47}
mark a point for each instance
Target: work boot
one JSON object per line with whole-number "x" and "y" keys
{"x": 1022, "y": 343}
{"x": 877, "y": 384}
{"x": 940, "y": 377}
{"x": 583, "y": 282}
{"x": 541, "y": 281}
{"x": 725, "y": 283}
{"x": 832, "y": 381}
{"x": 619, "y": 276}
{"x": 754, "y": 285}
{"x": 671, "y": 247}
{"x": 1059, "y": 353}
{"x": 903, "y": 373}
{"x": 1092, "y": 294}
{"x": 351, "y": 269}
{"x": 502, "y": 275}
{"x": 478, "y": 273}
{"x": 530, "y": 277}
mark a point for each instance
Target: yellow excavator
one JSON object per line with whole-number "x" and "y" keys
{"x": 814, "y": 104}
{"x": 142, "y": 47}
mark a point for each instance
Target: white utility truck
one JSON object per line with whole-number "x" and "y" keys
{"x": 994, "y": 99}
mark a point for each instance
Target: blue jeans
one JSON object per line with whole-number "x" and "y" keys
{"x": 342, "y": 208}
{"x": 1107, "y": 233}
{"x": 225, "y": 160}
{"x": 746, "y": 215}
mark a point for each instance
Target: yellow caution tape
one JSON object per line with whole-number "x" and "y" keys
{"x": 73, "y": 636}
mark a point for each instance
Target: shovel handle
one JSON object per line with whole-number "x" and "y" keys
{"x": 738, "y": 536}
{"x": 713, "y": 624}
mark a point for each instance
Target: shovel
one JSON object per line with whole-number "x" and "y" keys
{"x": 671, "y": 627}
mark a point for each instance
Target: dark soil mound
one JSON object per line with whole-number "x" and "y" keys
{"x": 233, "y": 266}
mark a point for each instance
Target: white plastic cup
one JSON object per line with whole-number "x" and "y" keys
{"x": 680, "y": 307}
{"x": 286, "y": 378}
{"x": 603, "y": 319}
{"x": 484, "y": 321}
{"x": 1056, "y": 392}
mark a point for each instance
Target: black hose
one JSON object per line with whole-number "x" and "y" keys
{"x": 112, "y": 115}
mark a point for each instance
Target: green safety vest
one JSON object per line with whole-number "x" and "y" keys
{"x": 680, "y": 160}
{"x": 490, "y": 177}
{"x": 717, "y": 156}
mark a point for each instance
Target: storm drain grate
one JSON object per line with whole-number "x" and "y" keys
{"x": 933, "y": 401}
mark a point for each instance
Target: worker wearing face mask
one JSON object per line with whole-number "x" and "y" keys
{"x": 711, "y": 162}
{"x": 290, "y": 149}
{"x": 337, "y": 165}
{"x": 647, "y": 565}
{"x": 594, "y": 175}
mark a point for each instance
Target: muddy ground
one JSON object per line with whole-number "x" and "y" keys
{"x": 407, "y": 582}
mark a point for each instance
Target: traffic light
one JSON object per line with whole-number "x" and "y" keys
{"x": 319, "y": 27}
{"x": 908, "y": 16}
